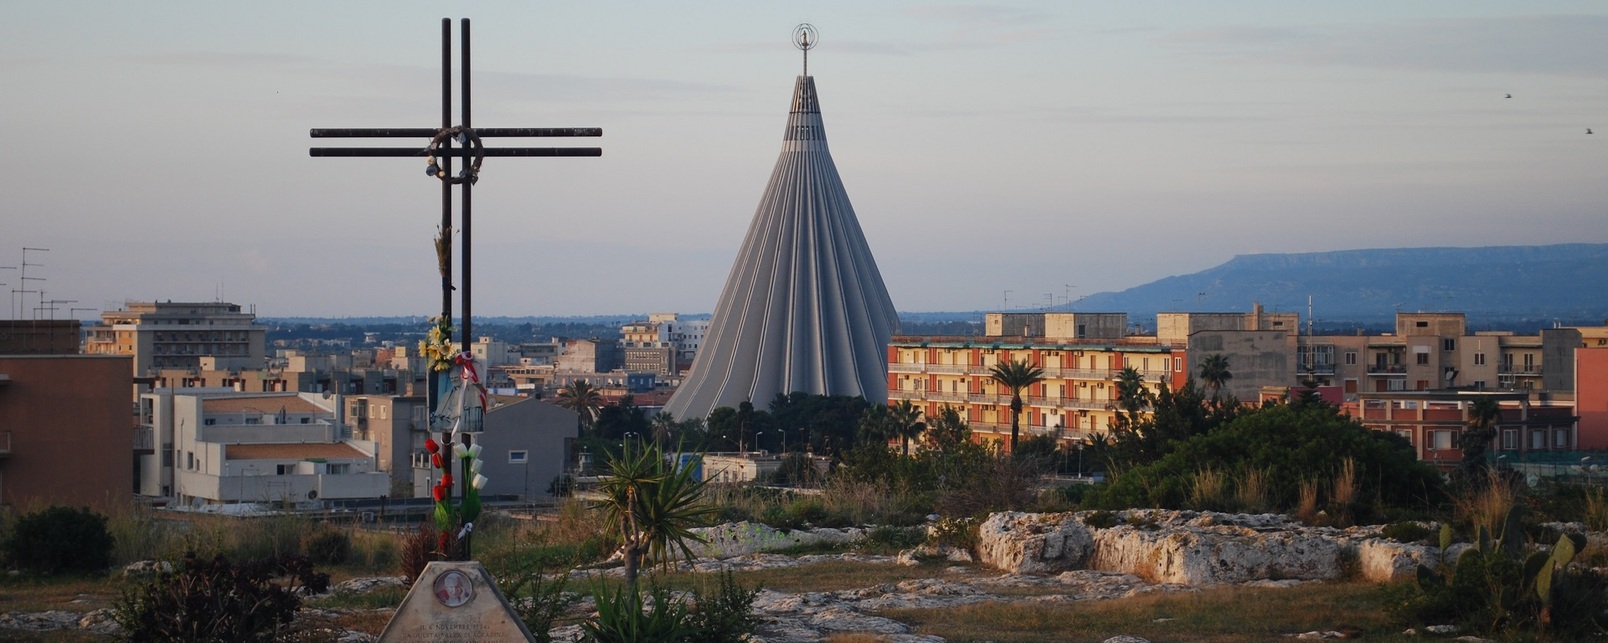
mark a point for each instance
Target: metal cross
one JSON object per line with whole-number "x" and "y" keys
{"x": 441, "y": 151}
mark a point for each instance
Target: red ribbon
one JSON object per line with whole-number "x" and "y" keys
{"x": 471, "y": 374}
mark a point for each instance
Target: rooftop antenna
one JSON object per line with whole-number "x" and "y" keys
{"x": 804, "y": 38}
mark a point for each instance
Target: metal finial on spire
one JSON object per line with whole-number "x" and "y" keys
{"x": 804, "y": 38}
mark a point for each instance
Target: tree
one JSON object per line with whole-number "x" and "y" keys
{"x": 663, "y": 426}
{"x": 1214, "y": 373}
{"x": 1132, "y": 396}
{"x": 905, "y": 418}
{"x": 1483, "y": 415}
{"x": 654, "y": 504}
{"x": 1016, "y": 375}
{"x": 947, "y": 431}
{"x": 583, "y": 399}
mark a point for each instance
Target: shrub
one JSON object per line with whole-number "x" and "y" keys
{"x": 1405, "y": 532}
{"x": 218, "y": 600}
{"x": 890, "y": 537}
{"x": 329, "y": 547}
{"x": 725, "y": 616}
{"x": 60, "y": 539}
{"x": 1101, "y": 519}
{"x": 622, "y": 619}
{"x": 1499, "y": 585}
{"x": 538, "y": 598}
{"x": 955, "y": 532}
{"x": 1286, "y": 444}
{"x": 422, "y": 546}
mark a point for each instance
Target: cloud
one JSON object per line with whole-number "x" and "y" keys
{"x": 1573, "y": 45}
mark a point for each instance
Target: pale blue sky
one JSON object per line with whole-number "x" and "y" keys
{"x": 159, "y": 149}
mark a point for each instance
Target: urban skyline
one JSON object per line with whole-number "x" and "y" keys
{"x": 1036, "y": 147}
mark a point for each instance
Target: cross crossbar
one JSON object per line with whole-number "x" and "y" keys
{"x": 460, "y": 152}
{"x": 425, "y": 132}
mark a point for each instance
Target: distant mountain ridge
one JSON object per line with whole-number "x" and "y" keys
{"x": 1508, "y": 284}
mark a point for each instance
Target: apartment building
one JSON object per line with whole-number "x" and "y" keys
{"x": 1081, "y": 355}
{"x": 176, "y": 335}
{"x": 1433, "y": 420}
{"x": 217, "y": 446}
{"x": 1427, "y": 351}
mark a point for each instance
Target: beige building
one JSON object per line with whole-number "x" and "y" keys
{"x": 176, "y": 335}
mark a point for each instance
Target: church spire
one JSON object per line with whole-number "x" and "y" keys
{"x": 804, "y": 307}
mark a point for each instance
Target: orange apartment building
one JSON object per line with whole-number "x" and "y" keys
{"x": 1433, "y": 420}
{"x": 1081, "y": 355}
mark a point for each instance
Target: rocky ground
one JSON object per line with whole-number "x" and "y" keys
{"x": 1023, "y": 558}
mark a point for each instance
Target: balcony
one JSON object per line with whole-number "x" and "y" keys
{"x": 1387, "y": 370}
{"x": 144, "y": 444}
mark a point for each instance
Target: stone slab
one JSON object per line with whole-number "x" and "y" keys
{"x": 451, "y": 602}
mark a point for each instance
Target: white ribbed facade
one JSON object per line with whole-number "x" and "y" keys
{"x": 804, "y": 308}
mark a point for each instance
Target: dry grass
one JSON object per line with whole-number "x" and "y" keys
{"x": 1208, "y": 490}
{"x": 1489, "y": 506}
{"x": 1252, "y": 491}
{"x": 1306, "y": 508}
{"x": 1596, "y": 509}
{"x": 1343, "y": 492}
{"x": 1225, "y": 615}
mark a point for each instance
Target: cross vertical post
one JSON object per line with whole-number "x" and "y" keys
{"x": 456, "y": 371}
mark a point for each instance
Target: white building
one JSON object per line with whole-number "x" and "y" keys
{"x": 216, "y": 446}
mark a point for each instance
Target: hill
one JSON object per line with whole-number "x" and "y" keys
{"x": 1504, "y": 286}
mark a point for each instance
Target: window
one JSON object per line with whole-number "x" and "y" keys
{"x": 339, "y": 469}
{"x": 284, "y": 469}
{"x": 1421, "y": 358}
{"x": 1479, "y": 359}
{"x": 1560, "y": 438}
{"x": 1510, "y": 440}
{"x": 189, "y": 460}
{"x": 1443, "y": 439}
{"x": 1421, "y": 324}
{"x": 1351, "y": 358}
{"x": 1538, "y": 440}
{"x": 1178, "y": 364}
{"x": 1448, "y": 344}
{"x": 209, "y": 421}
{"x": 518, "y": 457}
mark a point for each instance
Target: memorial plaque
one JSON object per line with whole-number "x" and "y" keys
{"x": 455, "y": 601}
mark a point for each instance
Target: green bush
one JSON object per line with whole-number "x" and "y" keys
{"x": 622, "y": 619}
{"x": 1406, "y": 532}
{"x": 780, "y": 518}
{"x": 60, "y": 539}
{"x": 329, "y": 547}
{"x": 1501, "y": 585}
{"x": 1290, "y": 444}
{"x": 890, "y": 537}
{"x": 218, "y": 600}
{"x": 537, "y": 596}
{"x": 1101, "y": 519}
{"x": 724, "y": 616}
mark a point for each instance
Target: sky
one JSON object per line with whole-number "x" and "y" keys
{"x": 998, "y": 156}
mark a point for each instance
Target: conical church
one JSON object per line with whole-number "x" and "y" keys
{"x": 804, "y": 308}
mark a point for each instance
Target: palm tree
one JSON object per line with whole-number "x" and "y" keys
{"x": 1483, "y": 415}
{"x": 663, "y": 427}
{"x": 1132, "y": 395}
{"x": 906, "y": 420}
{"x": 654, "y": 504}
{"x": 583, "y": 399}
{"x": 1214, "y": 372}
{"x": 1016, "y": 375}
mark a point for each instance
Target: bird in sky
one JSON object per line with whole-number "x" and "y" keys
{"x": 1508, "y": 96}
